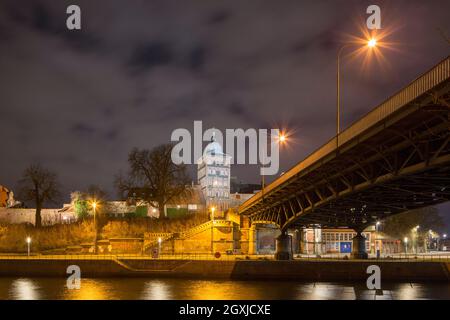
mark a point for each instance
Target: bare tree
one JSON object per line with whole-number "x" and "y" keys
{"x": 154, "y": 176}
{"x": 39, "y": 185}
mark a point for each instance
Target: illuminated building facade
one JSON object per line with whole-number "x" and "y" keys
{"x": 214, "y": 176}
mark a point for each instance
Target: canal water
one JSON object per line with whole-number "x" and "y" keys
{"x": 162, "y": 289}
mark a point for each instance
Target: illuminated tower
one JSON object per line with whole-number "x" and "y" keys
{"x": 214, "y": 175}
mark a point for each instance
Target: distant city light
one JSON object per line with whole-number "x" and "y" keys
{"x": 405, "y": 240}
{"x": 159, "y": 240}
{"x": 28, "y": 240}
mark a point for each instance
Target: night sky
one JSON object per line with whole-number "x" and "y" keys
{"x": 78, "y": 101}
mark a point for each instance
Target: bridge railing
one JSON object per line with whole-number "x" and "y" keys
{"x": 137, "y": 256}
{"x": 421, "y": 85}
{"x": 430, "y": 79}
{"x": 410, "y": 257}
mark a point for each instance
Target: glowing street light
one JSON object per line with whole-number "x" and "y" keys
{"x": 372, "y": 43}
{"x": 377, "y": 244}
{"x": 213, "y": 209}
{"x": 282, "y": 139}
{"x": 405, "y": 240}
{"x": 94, "y": 205}
{"x": 28, "y": 245}
{"x": 159, "y": 246}
{"x": 415, "y": 237}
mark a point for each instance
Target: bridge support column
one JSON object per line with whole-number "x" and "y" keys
{"x": 283, "y": 247}
{"x": 359, "y": 246}
{"x": 252, "y": 240}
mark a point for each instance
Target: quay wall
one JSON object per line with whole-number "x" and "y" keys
{"x": 242, "y": 270}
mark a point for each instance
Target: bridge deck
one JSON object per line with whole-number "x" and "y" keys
{"x": 393, "y": 109}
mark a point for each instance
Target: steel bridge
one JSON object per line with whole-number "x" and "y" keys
{"x": 394, "y": 159}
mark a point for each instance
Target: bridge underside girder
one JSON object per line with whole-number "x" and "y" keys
{"x": 398, "y": 165}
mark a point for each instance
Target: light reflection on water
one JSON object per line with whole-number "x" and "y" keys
{"x": 177, "y": 289}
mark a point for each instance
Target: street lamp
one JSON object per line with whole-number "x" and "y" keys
{"x": 406, "y": 244}
{"x": 282, "y": 139}
{"x": 416, "y": 238}
{"x": 213, "y": 209}
{"x": 94, "y": 207}
{"x": 377, "y": 245}
{"x": 371, "y": 43}
{"x": 28, "y": 245}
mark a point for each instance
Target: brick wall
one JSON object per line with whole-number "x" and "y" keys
{"x": 16, "y": 216}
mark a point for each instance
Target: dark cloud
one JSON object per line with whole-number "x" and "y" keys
{"x": 78, "y": 101}
{"x": 151, "y": 54}
{"x": 82, "y": 129}
{"x": 219, "y": 17}
{"x": 197, "y": 57}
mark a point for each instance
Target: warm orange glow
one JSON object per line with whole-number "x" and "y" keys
{"x": 94, "y": 205}
{"x": 371, "y": 47}
{"x": 282, "y": 138}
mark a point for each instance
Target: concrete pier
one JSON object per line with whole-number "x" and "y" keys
{"x": 283, "y": 247}
{"x": 359, "y": 247}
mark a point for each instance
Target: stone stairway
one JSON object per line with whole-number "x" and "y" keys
{"x": 186, "y": 234}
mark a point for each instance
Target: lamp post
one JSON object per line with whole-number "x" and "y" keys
{"x": 94, "y": 207}
{"x": 406, "y": 245}
{"x": 416, "y": 238}
{"x": 370, "y": 44}
{"x": 213, "y": 209}
{"x": 28, "y": 245}
{"x": 377, "y": 247}
{"x": 282, "y": 138}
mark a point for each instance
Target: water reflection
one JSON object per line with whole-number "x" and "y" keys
{"x": 24, "y": 289}
{"x": 91, "y": 289}
{"x": 156, "y": 290}
{"x": 177, "y": 289}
